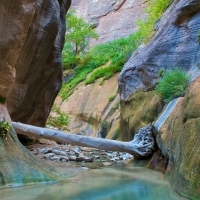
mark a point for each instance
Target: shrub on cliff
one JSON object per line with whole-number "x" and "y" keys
{"x": 173, "y": 84}
{"x": 77, "y": 39}
{"x": 116, "y": 51}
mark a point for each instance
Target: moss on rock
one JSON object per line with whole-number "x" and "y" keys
{"x": 141, "y": 109}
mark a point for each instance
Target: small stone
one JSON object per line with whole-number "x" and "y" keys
{"x": 59, "y": 152}
{"x": 64, "y": 158}
{"x": 57, "y": 158}
{"x": 107, "y": 164}
{"x": 49, "y": 155}
{"x": 85, "y": 168}
{"x": 72, "y": 158}
{"x": 96, "y": 157}
{"x": 86, "y": 159}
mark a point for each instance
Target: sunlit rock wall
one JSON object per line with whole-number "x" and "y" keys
{"x": 113, "y": 19}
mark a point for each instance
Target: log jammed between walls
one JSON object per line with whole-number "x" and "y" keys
{"x": 141, "y": 145}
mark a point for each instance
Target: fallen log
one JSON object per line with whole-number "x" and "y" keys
{"x": 141, "y": 145}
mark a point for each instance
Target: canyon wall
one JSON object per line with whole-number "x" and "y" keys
{"x": 174, "y": 45}
{"x": 112, "y": 19}
{"x": 32, "y": 36}
{"x": 178, "y": 138}
{"x": 89, "y": 107}
{"x": 39, "y": 65}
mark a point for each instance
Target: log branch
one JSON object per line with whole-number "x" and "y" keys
{"x": 141, "y": 145}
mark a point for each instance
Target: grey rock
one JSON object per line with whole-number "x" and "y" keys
{"x": 59, "y": 152}
{"x": 107, "y": 164}
{"x": 174, "y": 45}
{"x": 46, "y": 150}
{"x": 64, "y": 158}
{"x": 57, "y": 158}
{"x": 84, "y": 158}
{"x": 72, "y": 158}
{"x": 48, "y": 155}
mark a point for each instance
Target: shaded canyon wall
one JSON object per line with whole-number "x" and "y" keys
{"x": 32, "y": 35}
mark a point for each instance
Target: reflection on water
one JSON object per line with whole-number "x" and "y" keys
{"x": 100, "y": 184}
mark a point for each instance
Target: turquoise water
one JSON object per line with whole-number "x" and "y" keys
{"x": 100, "y": 184}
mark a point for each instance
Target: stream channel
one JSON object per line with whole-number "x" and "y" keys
{"x": 108, "y": 183}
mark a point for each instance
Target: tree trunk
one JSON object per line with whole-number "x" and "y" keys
{"x": 141, "y": 145}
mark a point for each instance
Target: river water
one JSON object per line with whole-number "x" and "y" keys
{"x": 129, "y": 183}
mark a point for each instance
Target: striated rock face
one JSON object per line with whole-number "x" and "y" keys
{"x": 113, "y": 19}
{"x": 178, "y": 138}
{"x": 38, "y": 67}
{"x": 91, "y": 113}
{"x": 175, "y": 44}
{"x": 31, "y": 39}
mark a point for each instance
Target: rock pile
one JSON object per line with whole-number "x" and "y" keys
{"x": 67, "y": 153}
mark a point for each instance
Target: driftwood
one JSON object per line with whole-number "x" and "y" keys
{"x": 141, "y": 145}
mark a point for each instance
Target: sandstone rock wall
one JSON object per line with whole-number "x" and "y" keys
{"x": 38, "y": 67}
{"x": 175, "y": 44}
{"x": 91, "y": 113}
{"x": 178, "y": 139}
{"x": 113, "y": 19}
{"x": 28, "y": 55}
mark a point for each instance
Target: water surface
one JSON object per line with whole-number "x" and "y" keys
{"x": 132, "y": 183}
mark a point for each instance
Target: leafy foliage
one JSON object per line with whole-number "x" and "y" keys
{"x": 161, "y": 72}
{"x": 2, "y": 99}
{"x": 198, "y": 37}
{"x": 117, "y": 52}
{"x": 173, "y": 84}
{"x": 60, "y": 120}
{"x": 112, "y": 97}
{"x": 4, "y": 127}
{"x": 77, "y": 39}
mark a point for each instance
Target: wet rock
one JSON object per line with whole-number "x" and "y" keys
{"x": 96, "y": 157}
{"x": 85, "y": 168}
{"x": 86, "y": 159}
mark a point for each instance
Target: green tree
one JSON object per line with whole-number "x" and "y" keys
{"x": 78, "y": 35}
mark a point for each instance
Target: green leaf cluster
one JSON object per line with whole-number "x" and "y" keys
{"x": 173, "y": 84}
{"x": 61, "y": 119}
{"x": 4, "y": 127}
{"x": 2, "y": 99}
{"x": 112, "y": 97}
{"x": 77, "y": 39}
